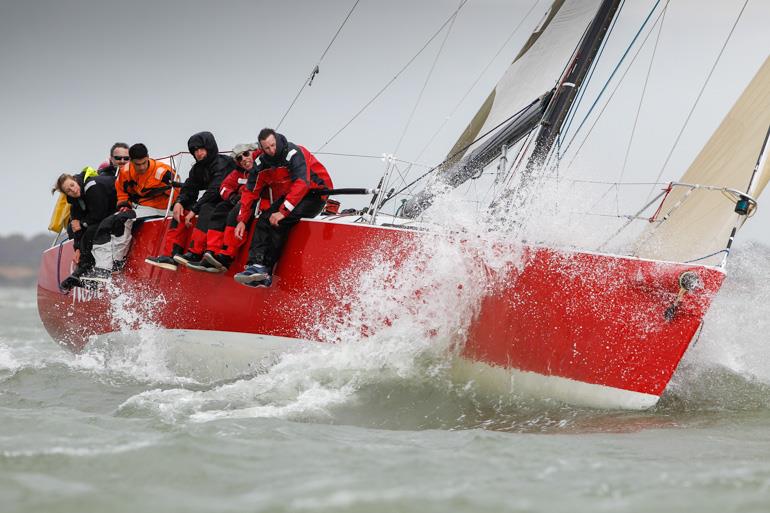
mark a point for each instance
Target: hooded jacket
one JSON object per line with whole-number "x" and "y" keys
{"x": 292, "y": 172}
{"x": 206, "y": 175}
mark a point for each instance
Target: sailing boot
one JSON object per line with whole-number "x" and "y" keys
{"x": 253, "y": 274}
{"x": 206, "y": 264}
{"x": 221, "y": 262}
{"x": 162, "y": 261}
{"x": 73, "y": 280}
{"x": 188, "y": 258}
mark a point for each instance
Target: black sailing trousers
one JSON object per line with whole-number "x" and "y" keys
{"x": 268, "y": 241}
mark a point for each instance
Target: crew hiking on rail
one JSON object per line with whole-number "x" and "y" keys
{"x": 275, "y": 182}
{"x": 291, "y": 173}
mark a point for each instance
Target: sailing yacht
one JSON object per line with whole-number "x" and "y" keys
{"x": 588, "y": 326}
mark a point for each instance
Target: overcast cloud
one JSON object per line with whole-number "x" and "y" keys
{"x": 78, "y": 75}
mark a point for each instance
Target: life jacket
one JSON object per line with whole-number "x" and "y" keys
{"x": 150, "y": 189}
{"x": 61, "y": 209}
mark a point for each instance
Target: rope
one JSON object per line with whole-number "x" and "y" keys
{"x": 428, "y": 42}
{"x": 700, "y": 93}
{"x": 309, "y": 80}
{"x": 707, "y": 256}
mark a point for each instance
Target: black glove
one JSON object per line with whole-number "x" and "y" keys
{"x": 124, "y": 206}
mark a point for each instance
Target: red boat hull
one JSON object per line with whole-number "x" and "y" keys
{"x": 582, "y": 327}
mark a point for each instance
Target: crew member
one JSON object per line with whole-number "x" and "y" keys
{"x": 293, "y": 175}
{"x": 144, "y": 188}
{"x": 221, "y": 242}
{"x": 144, "y": 184}
{"x": 206, "y": 175}
{"x": 91, "y": 201}
{"x": 118, "y": 158}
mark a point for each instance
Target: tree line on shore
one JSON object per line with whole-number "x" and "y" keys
{"x": 20, "y": 257}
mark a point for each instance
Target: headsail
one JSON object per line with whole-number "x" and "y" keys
{"x": 700, "y": 221}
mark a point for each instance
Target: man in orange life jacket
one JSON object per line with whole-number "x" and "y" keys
{"x": 144, "y": 182}
{"x": 206, "y": 175}
{"x": 292, "y": 173}
{"x": 144, "y": 188}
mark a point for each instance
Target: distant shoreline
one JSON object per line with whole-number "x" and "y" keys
{"x": 20, "y": 258}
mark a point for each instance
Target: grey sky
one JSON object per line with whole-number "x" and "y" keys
{"x": 78, "y": 75}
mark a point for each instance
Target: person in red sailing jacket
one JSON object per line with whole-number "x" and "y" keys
{"x": 292, "y": 174}
{"x": 206, "y": 175}
{"x": 221, "y": 242}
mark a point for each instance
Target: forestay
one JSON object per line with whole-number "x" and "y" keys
{"x": 698, "y": 222}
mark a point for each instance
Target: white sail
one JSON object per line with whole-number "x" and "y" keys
{"x": 699, "y": 223}
{"x": 535, "y": 69}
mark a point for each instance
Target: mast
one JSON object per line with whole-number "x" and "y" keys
{"x": 571, "y": 81}
{"x": 585, "y": 22}
{"x": 511, "y": 204}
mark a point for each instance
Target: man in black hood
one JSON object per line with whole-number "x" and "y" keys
{"x": 206, "y": 175}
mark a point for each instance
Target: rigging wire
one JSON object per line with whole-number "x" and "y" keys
{"x": 700, "y": 94}
{"x": 606, "y": 104}
{"x": 612, "y": 75}
{"x": 419, "y": 96}
{"x": 475, "y": 82}
{"x": 409, "y": 63}
{"x": 309, "y": 80}
{"x": 463, "y": 149}
{"x": 427, "y": 79}
{"x": 594, "y": 64}
{"x": 644, "y": 93}
{"x": 378, "y": 157}
{"x": 617, "y": 86}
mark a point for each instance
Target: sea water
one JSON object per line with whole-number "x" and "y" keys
{"x": 377, "y": 423}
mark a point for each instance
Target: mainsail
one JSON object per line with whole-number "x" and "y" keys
{"x": 696, "y": 223}
{"x": 535, "y": 69}
{"x": 523, "y": 88}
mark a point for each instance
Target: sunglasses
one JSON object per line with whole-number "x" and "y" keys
{"x": 243, "y": 155}
{"x": 115, "y": 157}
